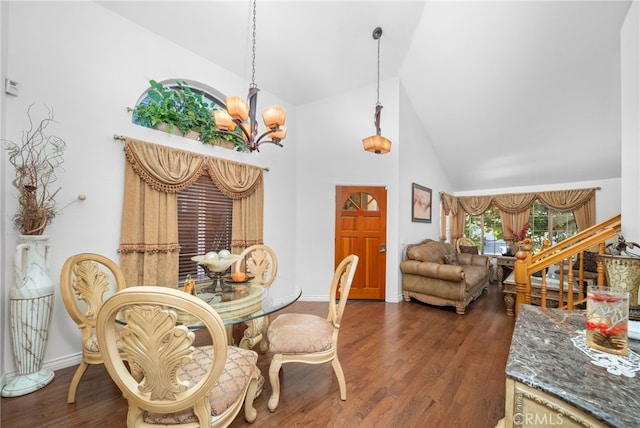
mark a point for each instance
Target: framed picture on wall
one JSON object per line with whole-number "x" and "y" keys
{"x": 420, "y": 203}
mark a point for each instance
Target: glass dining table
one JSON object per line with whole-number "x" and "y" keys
{"x": 246, "y": 303}
{"x": 241, "y": 303}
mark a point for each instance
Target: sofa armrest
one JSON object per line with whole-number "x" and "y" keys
{"x": 433, "y": 270}
{"x": 473, "y": 260}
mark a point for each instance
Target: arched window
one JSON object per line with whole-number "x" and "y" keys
{"x": 182, "y": 107}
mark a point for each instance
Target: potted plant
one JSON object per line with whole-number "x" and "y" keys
{"x": 183, "y": 111}
{"x": 161, "y": 110}
{"x": 36, "y": 162}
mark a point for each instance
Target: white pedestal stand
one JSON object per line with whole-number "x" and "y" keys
{"x": 31, "y": 305}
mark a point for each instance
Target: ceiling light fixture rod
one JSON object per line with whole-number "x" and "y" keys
{"x": 377, "y": 143}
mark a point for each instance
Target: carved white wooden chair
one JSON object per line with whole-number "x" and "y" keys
{"x": 84, "y": 281}
{"x": 181, "y": 384}
{"x": 306, "y": 338}
{"x": 260, "y": 263}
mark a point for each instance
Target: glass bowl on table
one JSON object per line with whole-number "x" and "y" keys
{"x": 215, "y": 267}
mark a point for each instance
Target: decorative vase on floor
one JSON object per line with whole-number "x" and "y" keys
{"x": 31, "y": 305}
{"x": 623, "y": 273}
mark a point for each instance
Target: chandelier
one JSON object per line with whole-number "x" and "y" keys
{"x": 238, "y": 111}
{"x": 377, "y": 143}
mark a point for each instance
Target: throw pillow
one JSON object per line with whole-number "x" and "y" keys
{"x": 471, "y": 249}
{"x": 590, "y": 262}
{"x": 450, "y": 259}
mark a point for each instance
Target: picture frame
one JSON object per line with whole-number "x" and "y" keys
{"x": 421, "y": 198}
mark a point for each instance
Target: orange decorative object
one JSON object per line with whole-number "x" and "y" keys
{"x": 238, "y": 276}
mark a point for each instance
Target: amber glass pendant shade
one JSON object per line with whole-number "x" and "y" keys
{"x": 237, "y": 108}
{"x": 377, "y": 144}
{"x": 273, "y": 117}
{"x": 280, "y": 134}
{"x": 223, "y": 120}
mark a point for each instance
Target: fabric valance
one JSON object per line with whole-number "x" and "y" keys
{"x": 171, "y": 170}
{"x": 513, "y": 203}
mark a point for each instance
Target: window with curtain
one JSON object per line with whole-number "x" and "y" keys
{"x": 205, "y": 220}
{"x": 486, "y": 230}
{"x": 544, "y": 223}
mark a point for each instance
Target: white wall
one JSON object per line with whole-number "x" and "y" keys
{"x": 330, "y": 153}
{"x": 3, "y": 159}
{"x": 88, "y": 64}
{"x": 630, "y": 58}
{"x": 419, "y": 164}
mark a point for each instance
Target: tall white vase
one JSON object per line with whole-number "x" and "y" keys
{"x": 31, "y": 305}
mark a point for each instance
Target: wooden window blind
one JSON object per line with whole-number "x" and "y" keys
{"x": 205, "y": 218}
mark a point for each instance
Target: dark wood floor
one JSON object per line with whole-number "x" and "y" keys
{"x": 406, "y": 365}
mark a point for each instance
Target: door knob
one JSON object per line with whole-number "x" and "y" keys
{"x": 383, "y": 248}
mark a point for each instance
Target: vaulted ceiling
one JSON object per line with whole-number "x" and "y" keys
{"x": 510, "y": 93}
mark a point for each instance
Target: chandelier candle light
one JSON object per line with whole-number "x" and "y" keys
{"x": 238, "y": 111}
{"x": 377, "y": 143}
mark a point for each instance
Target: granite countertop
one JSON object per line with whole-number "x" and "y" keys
{"x": 543, "y": 356}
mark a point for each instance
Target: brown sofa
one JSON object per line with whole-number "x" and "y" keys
{"x": 434, "y": 273}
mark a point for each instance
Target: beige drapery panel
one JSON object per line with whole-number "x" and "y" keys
{"x": 581, "y": 202}
{"x": 515, "y": 208}
{"x": 450, "y": 206}
{"x": 149, "y": 244}
{"x": 242, "y": 183}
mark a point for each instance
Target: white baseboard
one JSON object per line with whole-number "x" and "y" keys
{"x": 53, "y": 365}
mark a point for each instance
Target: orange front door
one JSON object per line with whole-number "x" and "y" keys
{"x": 361, "y": 229}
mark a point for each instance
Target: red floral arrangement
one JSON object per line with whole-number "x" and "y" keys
{"x": 523, "y": 233}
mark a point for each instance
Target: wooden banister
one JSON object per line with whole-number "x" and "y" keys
{"x": 570, "y": 249}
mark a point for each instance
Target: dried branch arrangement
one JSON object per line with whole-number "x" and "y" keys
{"x": 36, "y": 161}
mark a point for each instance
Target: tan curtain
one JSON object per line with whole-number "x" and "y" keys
{"x": 242, "y": 183}
{"x": 581, "y": 202}
{"x": 448, "y": 207}
{"x": 475, "y": 205}
{"x": 149, "y": 236}
{"x": 513, "y": 203}
{"x": 153, "y": 174}
{"x": 515, "y": 207}
{"x": 585, "y": 215}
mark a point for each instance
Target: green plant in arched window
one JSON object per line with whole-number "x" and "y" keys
{"x": 181, "y": 108}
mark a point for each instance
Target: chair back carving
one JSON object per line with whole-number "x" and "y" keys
{"x": 85, "y": 281}
{"x": 260, "y": 262}
{"x": 163, "y": 352}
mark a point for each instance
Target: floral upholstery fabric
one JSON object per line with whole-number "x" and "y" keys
{"x": 299, "y": 334}
{"x": 231, "y": 385}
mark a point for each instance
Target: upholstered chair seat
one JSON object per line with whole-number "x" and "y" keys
{"x": 310, "y": 339}
{"x": 300, "y": 334}
{"x": 230, "y": 387}
{"x": 178, "y": 383}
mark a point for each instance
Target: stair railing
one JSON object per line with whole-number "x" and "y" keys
{"x": 571, "y": 249}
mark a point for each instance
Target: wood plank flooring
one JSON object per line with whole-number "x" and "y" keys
{"x": 407, "y": 365}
